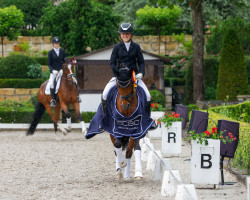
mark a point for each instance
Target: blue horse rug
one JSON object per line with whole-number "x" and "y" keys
{"x": 118, "y": 125}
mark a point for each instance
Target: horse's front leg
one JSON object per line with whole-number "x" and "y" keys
{"x": 138, "y": 163}
{"x": 79, "y": 117}
{"x": 129, "y": 153}
{"x": 68, "y": 118}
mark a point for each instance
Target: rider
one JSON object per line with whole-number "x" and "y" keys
{"x": 129, "y": 53}
{"x": 56, "y": 57}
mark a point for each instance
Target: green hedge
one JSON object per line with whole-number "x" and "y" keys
{"x": 21, "y": 83}
{"x": 157, "y": 97}
{"x": 241, "y": 157}
{"x": 145, "y": 31}
{"x": 15, "y": 66}
{"x": 239, "y": 112}
{"x": 42, "y": 60}
{"x": 169, "y": 82}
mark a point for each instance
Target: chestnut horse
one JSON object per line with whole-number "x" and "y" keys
{"x": 126, "y": 103}
{"x": 67, "y": 94}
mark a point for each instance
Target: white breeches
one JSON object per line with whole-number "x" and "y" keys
{"x": 112, "y": 83}
{"x": 51, "y": 80}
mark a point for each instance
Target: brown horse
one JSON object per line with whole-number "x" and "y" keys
{"x": 67, "y": 94}
{"x": 126, "y": 104}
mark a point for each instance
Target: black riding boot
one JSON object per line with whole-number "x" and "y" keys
{"x": 53, "y": 100}
{"x": 104, "y": 105}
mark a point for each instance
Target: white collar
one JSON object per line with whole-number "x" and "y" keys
{"x": 56, "y": 49}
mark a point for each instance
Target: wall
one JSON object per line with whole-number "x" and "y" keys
{"x": 168, "y": 45}
{"x": 17, "y": 94}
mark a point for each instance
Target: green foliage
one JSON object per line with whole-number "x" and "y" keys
{"x": 87, "y": 116}
{"x": 157, "y": 97}
{"x": 162, "y": 19}
{"x": 32, "y": 10}
{"x": 217, "y": 29}
{"x": 239, "y": 112}
{"x": 170, "y": 82}
{"x": 42, "y": 60}
{"x": 232, "y": 77}
{"x": 157, "y": 107}
{"x": 15, "y": 66}
{"x": 192, "y": 107}
{"x": 168, "y": 119}
{"x": 187, "y": 48}
{"x": 35, "y": 71}
{"x": 11, "y": 20}
{"x": 18, "y": 112}
{"x": 202, "y": 138}
{"x": 20, "y": 83}
{"x": 127, "y": 9}
{"x": 81, "y": 24}
{"x": 241, "y": 157}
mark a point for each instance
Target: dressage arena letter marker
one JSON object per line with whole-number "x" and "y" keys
{"x": 171, "y": 135}
{"x": 171, "y": 139}
{"x": 203, "y": 160}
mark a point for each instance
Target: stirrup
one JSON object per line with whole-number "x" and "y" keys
{"x": 53, "y": 103}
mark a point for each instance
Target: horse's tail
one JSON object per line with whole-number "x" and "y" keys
{"x": 37, "y": 116}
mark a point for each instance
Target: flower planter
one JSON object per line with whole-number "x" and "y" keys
{"x": 171, "y": 139}
{"x": 205, "y": 162}
{"x": 156, "y": 133}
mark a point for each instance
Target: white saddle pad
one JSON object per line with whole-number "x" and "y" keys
{"x": 47, "y": 89}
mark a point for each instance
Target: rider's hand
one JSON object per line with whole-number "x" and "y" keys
{"x": 61, "y": 71}
{"x": 139, "y": 76}
{"x": 54, "y": 72}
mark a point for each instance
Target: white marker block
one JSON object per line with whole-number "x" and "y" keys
{"x": 186, "y": 192}
{"x": 169, "y": 182}
{"x": 160, "y": 167}
{"x": 248, "y": 187}
{"x": 172, "y": 139}
{"x": 205, "y": 162}
{"x": 156, "y": 133}
{"x": 152, "y": 160}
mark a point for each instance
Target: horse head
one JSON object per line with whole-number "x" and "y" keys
{"x": 125, "y": 86}
{"x": 68, "y": 70}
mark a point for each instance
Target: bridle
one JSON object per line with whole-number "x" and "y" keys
{"x": 128, "y": 97}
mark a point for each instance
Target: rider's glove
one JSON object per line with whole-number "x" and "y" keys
{"x": 61, "y": 71}
{"x": 139, "y": 76}
{"x": 54, "y": 72}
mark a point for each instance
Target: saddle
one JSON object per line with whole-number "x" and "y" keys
{"x": 58, "y": 82}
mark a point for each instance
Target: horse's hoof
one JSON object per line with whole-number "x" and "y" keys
{"x": 123, "y": 164}
{"x": 127, "y": 178}
{"x": 118, "y": 174}
{"x": 68, "y": 129}
{"x": 138, "y": 175}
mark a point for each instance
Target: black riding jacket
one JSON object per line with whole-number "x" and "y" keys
{"x": 132, "y": 58}
{"x": 56, "y": 62}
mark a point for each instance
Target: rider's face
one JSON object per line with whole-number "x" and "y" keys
{"x": 56, "y": 45}
{"x": 126, "y": 37}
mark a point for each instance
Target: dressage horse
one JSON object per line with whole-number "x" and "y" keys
{"x": 126, "y": 103}
{"x": 67, "y": 94}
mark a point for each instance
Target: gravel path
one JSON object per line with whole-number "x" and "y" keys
{"x": 46, "y": 166}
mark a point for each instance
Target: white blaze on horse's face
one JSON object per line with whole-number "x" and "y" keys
{"x": 69, "y": 67}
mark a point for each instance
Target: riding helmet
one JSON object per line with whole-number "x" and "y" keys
{"x": 126, "y": 28}
{"x": 55, "y": 39}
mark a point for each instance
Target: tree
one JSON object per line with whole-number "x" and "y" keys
{"x": 81, "y": 24}
{"x": 11, "y": 20}
{"x": 161, "y": 19}
{"x": 232, "y": 77}
{"x": 32, "y": 10}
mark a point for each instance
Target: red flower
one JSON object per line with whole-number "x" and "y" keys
{"x": 231, "y": 136}
{"x": 178, "y": 115}
{"x": 214, "y": 130}
{"x": 156, "y": 106}
{"x": 207, "y": 133}
{"x": 170, "y": 115}
{"x": 158, "y": 122}
{"x": 234, "y": 138}
{"x": 221, "y": 137}
{"x": 152, "y": 105}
